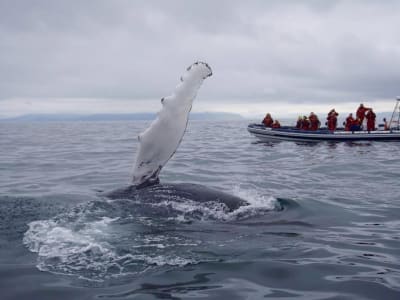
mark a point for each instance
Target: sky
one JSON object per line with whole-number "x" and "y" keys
{"x": 283, "y": 57}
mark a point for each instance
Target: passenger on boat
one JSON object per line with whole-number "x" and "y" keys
{"x": 276, "y": 124}
{"x": 385, "y": 124}
{"x": 268, "y": 120}
{"x": 356, "y": 126}
{"x": 299, "y": 122}
{"x": 349, "y": 122}
{"x": 370, "y": 116}
{"x": 361, "y": 112}
{"x": 314, "y": 121}
{"x": 305, "y": 124}
{"x": 332, "y": 120}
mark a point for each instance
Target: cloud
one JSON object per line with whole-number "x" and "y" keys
{"x": 262, "y": 52}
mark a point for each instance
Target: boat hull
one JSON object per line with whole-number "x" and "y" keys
{"x": 293, "y": 134}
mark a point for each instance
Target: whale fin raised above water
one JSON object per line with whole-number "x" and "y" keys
{"x": 159, "y": 142}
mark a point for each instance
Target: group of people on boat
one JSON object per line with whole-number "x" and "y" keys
{"x": 269, "y": 122}
{"x": 351, "y": 123}
{"x": 312, "y": 122}
{"x": 355, "y": 124}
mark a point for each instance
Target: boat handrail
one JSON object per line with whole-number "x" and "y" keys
{"x": 394, "y": 111}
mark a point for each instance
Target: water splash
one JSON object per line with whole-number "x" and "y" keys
{"x": 112, "y": 238}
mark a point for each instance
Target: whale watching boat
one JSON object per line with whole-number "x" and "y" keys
{"x": 291, "y": 133}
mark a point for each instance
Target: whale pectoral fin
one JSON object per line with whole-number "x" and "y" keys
{"x": 148, "y": 183}
{"x": 159, "y": 142}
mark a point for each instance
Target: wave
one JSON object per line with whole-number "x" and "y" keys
{"x": 104, "y": 238}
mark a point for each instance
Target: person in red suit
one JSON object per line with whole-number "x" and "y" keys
{"x": 299, "y": 123}
{"x": 332, "y": 120}
{"x": 361, "y": 112}
{"x": 305, "y": 125}
{"x": 370, "y": 116}
{"x": 276, "y": 124}
{"x": 314, "y": 121}
{"x": 268, "y": 121}
{"x": 356, "y": 126}
{"x": 349, "y": 122}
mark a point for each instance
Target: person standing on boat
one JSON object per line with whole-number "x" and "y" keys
{"x": 332, "y": 120}
{"x": 268, "y": 121}
{"x": 314, "y": 121}
{"x": 370, "y": 116}
{"x": 349, "y": 122}
{"x": 361, "y": 112}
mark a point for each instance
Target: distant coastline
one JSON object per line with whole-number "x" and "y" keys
{"x": 206, "y": 116}
{"x": 116, "y": 117}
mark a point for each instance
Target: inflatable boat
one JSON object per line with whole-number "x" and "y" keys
{"x": 288, "y": 133}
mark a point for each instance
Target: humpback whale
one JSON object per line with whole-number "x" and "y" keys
{"x": 158, "y": 143}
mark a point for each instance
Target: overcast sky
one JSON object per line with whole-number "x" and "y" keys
{"x": 123, "y": 56}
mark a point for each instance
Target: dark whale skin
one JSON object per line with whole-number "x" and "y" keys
{"x": 183, "y": 191}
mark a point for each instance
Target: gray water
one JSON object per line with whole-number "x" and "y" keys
{"x": 323, "y": 220}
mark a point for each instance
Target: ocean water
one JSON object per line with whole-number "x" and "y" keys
{"x": 323, "y": 220}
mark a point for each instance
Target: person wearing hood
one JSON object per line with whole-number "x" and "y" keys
{"x": 370, "y": 116}
{"x": 276, "y": 124}
{"x": 361, "y": 112}
{"x": 305, "y": 123}
{"x": 314, "y": 121}
{"x": 268, "y": 121}
{"x": 299, "y": 123}
{"x": 332, "y": 120}
{"x": 349, "y": 122}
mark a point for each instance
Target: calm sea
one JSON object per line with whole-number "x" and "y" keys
{"x": 323, "y": 220}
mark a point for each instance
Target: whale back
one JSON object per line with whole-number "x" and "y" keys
{"x": 180, "y": 191}
{"x": 158, "y": 143}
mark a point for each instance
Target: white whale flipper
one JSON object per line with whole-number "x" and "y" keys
{"x": 159, "y": 142}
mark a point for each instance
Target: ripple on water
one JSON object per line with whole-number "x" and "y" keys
{"x": 113, "y": 238}
{"x": 344, "y": 233}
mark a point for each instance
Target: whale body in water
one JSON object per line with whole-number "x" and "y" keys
{"x": 158, "y": 143}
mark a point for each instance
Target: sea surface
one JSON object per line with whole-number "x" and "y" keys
{"x": 323, "y": 220}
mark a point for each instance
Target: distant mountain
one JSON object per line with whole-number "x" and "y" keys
{"x": 116, "y": 117}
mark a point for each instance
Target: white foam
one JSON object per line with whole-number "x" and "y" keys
{"x": 87, "y": 244}
{"x": 159, "y": 142}
{"x": 163, "y": 260}
{"x": 258, "y": 203}
{"x": 90, "y": 252}
{"x": 63, "y": 249}
{"x": 253, "y": 196}
{"x": 188, "y": 210}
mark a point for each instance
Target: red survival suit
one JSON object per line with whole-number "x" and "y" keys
{"x": 276, "y": 124}
{"x": 305, "y": 125}
{"x": 361, "y": 112}
{"x": 332, "y": 120}
{"x": 370, "y": 115}
{"x": 314, "y": 122}
{"x": 268, "y": 121}
{"x": 349, "y": 122}
{"x": 299, "y": 123}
